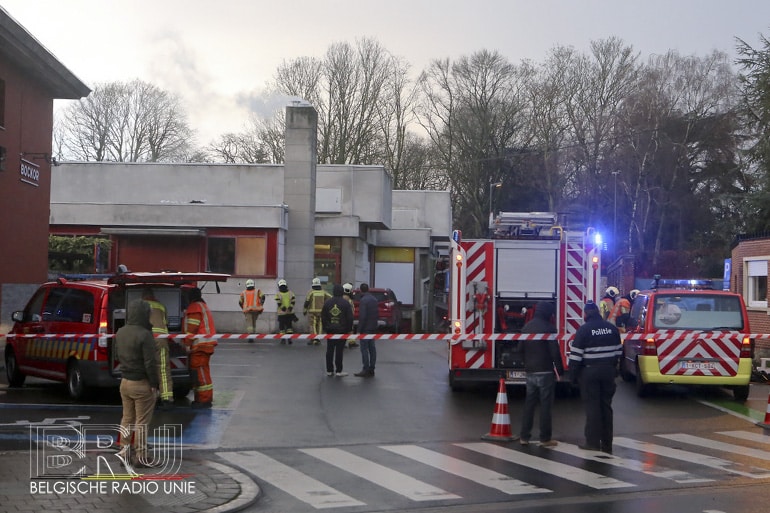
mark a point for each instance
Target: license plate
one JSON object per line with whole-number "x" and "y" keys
{"x": 698, "y": 365}
{"x": 517, "y": 374}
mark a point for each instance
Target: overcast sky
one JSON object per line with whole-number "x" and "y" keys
{"x": 218, "y": 54}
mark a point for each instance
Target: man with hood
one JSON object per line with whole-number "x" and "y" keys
{"x": 543, "y": 365}
{"x": 138, "y": 357}
{"x": 336, "y": 318}
{"x": 593, "y": 364}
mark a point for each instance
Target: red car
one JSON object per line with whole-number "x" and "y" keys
{"x": 388, "y": 309}
{"x": 65, "y": 333}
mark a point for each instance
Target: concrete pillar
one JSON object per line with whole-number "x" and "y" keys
{"x": 299, "y": 195}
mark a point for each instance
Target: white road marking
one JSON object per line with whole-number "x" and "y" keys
{"x": 715, "y": 444}
{"x": 691, "y": 457}
{"x": 470, "y": 471}
{"x": 555, "y": 468}
{"x": 394, "y": 481}
{"x": 646, "y": 467}
{"x": 291, "y": 481}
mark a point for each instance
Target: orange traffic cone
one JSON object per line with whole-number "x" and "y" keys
{"x": 766, "y": 424}
{"x": 501, "y": 421}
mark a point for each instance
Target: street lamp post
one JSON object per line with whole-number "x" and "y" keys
{"x": 493, "y": 185}
{"x": 615, "y": 217}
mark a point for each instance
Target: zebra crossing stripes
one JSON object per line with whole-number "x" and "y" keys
{"x": 651, "y": 469}
{"x": 720, "y": 446}
{"x": 750, "y": 436}
{"x": 489, "y": 468}
{"x": 393, "y": 480}
{"x": 577, "y": 475}
{"x": 692, "y": 457}
{"x": 291, "y": 481}
{"x": 469, "y": 471}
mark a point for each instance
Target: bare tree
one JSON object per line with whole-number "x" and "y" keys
{"x": 598, "y": 84}
{"x": 474, "y": 111}
{"x": 680, "y": 152}
{"x": 261, "y": 143}
{"x": 125, "y": 122}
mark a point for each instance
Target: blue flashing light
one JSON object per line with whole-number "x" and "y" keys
{"x": 598, "y": 239}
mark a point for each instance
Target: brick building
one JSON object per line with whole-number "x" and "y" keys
{"x": 30, "y": 79}
{"x": 748, "y": 277}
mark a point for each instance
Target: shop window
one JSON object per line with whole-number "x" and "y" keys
{"x": 756, "y": 283}
{"x": 239, "y": 256}
{"x": 327, "y": 261}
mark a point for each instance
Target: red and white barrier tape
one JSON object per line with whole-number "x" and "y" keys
{"x": 374, "y": 336}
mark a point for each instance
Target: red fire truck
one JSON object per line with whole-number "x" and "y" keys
{"x": 496, "y": 283}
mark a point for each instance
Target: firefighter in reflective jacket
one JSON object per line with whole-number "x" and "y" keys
{"x": 608, "y": 302}
{"x": 251, "y": 302}
{"x": 286, "y": 301}
{"x": 159, "y": 321}
{"x": 621, "y": 311}
{"x": 199, "y": 321}
{"x": 314, "y": 302}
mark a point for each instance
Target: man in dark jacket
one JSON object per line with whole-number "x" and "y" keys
{"x": 138, "y": 357}
{"x": 336, "y": 318}
{"x": 593, "y": 364}
{"x": 368, "y": 313}
{"x": 542, "y": 362}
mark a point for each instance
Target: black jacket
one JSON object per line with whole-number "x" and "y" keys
{"x": 337, "y": 313}
{"x": 368, "y": 313}
{"x": 541, "y": 355}
{"x": 597, "y": 342}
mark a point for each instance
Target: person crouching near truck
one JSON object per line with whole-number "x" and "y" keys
{"x": 199, "y": 321}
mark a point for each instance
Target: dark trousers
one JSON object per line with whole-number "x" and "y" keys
{"x": 285, "y": 323}
{"x": 540, "y": 386}
{"x": 368, "y": 354}
{"x": 597, "y": 387}
{"x": 334, "y": 348}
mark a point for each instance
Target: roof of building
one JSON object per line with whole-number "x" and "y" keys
{"x": 21, "y": 48}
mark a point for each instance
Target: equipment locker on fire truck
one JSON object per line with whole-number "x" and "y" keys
{"x": 496, "y": 283}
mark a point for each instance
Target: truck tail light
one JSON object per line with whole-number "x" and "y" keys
{"x": 103, "y": 341}
{"x": 746, "y": 348}
{"x": 649, "y": 348}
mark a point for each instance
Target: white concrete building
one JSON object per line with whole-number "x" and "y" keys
{"x": 294, "y": 221}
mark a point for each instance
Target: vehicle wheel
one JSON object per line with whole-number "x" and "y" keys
{"x": 15, "y": 377}
{"x": 624, "y": 373}
{"x": 75, "y": 386}
{"x": 642, "y": 389}
{"x": 741, "y": 393}
{"x": 453, "y": 385}
{"x": 181, "y": 392}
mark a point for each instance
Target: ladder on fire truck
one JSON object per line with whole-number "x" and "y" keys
{"x": 526, "y": 225}
{"x": 576, "y": 279}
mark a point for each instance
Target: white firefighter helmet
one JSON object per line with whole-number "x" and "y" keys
{"x": 282, "y": 283}
{"x": 249, "y": 284}
{"x": 612, "y": 292}
{"x": 633, "y": 294}
{"x": 316, "y": 282}
{"x": 347, "y": 288}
